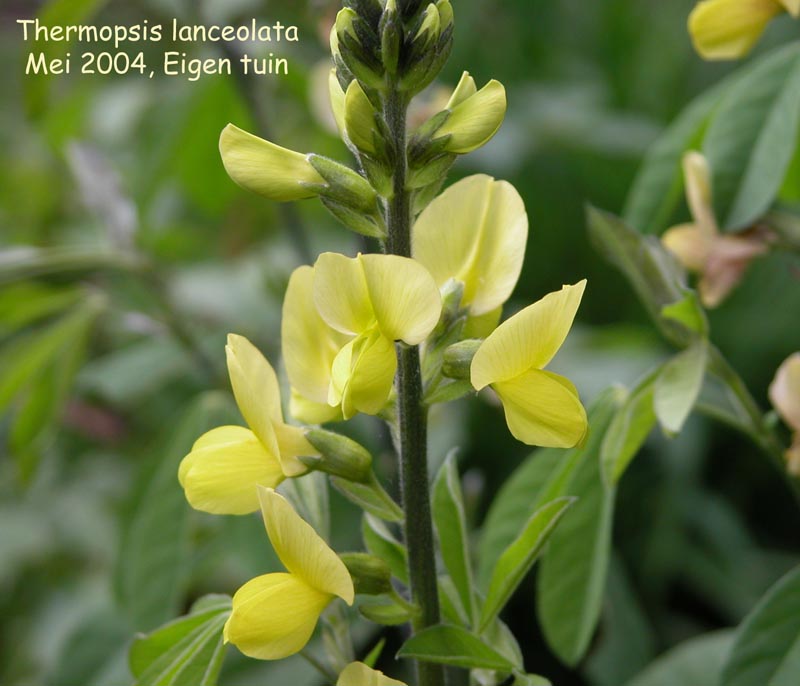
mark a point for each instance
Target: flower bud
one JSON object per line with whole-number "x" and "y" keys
{"x": 458, "y": 359}
{"x": 359, "y": 118}
{"x": 446, "y": 18}
{"x": 429, "y": 29}
{"x": 359, "y": 60}
{"x": 391, "y": 32}
{"x": 344, "y": 185}
{"x": 386, "y": 613}
{"x": 265, "y": 168}
{"x": 339, "y": 456}
{"x": 371, "y": 575}
{"x": 475, "y": 119}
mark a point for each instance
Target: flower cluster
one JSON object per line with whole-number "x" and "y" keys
{"x": 344, "y": 318}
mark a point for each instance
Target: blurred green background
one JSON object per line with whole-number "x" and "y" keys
{"x": 128, "y": 254}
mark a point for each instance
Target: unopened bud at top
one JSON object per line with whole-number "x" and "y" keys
{"x": 359, "y": 118}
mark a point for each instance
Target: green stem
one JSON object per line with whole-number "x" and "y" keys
{"x": 762, "y": 434}
{"x": 412, "y": 416}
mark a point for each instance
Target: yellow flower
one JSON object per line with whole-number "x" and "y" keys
{"x": 475, "y": 115}
{"x": 475, "y": 232}
{"x": 358, "y": 674}
{"x": 265, "y": 168}
{"x": 226, "y": 464}
{"x": 309, "y": 348}
{"x": 728, "y": 29}
{"x": 542, "y": 408}
{"x": 375, "y": 300}
{"x": 719, "y": 259}
{"x": 784, "y": 394}
{"x": 275, "y": 614}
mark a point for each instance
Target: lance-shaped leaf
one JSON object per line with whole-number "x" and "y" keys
{"x": 518, "y": 558}
{"x": 380, "y": 541}
{"x": 186, "y": 652}
{"x": 629, "y": 429}
{"x": 574, "y": 568}
{"x": 448, "y": 514}
{"x": 544, "y": 476}
{"x": 696, "y": 662}
{"x": 450, "y": 645}
{"x": 678, "y": 386}
{"x": 752, "y": 138}
{"x": 766, "y": 650}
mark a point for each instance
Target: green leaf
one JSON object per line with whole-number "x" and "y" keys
{"x": 517, "y": 560}
{"x": 185, "y": 652}
{"x": 374, "y": 654}
{"x": 27, "y": 262}
{"x": 678, "y": 386}
{"x": 22, "y": 358}
{"x": 451, "y": 525}
{"x": 658, "y": 188}
{"x": 752, "y": 138}
{"x": 766, "y": 650}
{"x": 370, "y": 497}
{"x": 697, "y": 662}
{"x": 530, "y": 680}
{"x": 652, "y": 271}
{"x": 152, "y": 568}
{"x": 544, "y": 476}
{"x": 689, "y": 312}
{"x": 629, "y": 429}
{"x": 574, "y": 568}
{"x": 380, "y": 541}
{"x": 28, "y": 302}
{"x": 450, "y": 645}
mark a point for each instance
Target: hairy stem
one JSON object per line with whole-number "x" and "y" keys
{"x": 412, "y": 417}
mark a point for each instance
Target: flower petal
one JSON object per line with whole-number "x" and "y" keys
{"x": 311, "y": 412}
{"x": 697, "y": 177}
{"x": 474, "y": 232}
{"x": 221, "y": 473}
{"x": 784, "y": 392}
{"x": 309, "y": 344}
{"x": 690, "y": 245}
{"x": 266, "y": 168}
{"x": 274, "y": 616}
{"x": 543, "y": 409}
{"x": 358, "y": 674}
{"x": 255, "y": 388}
{"x": 301, "y": 550}
{"x": 404, "y": 296}
{"x": 529, "y": 339}
{"x": 466, "y": 88}
{"x": 474, "y": 121}
{"x": 728, "y": 29}
{"x": 337, "y": 100}
{"x": 363, "y": 374}
{"x": 359, "y": 117}
{"x": 341, "y": 295}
